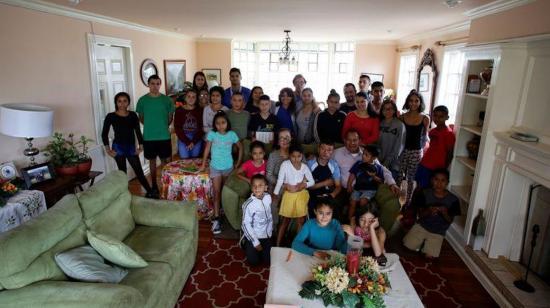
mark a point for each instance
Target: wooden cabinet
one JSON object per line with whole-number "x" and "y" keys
{"x": 55, "y": 189}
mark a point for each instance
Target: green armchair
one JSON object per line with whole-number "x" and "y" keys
{"x": 389, "y": 207}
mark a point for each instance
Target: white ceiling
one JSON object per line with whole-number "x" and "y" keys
{"x": 266, "y": 19}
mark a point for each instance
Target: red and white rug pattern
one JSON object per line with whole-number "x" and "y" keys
{"x": 221, "y": 278}
{"x": 429, "y": 285}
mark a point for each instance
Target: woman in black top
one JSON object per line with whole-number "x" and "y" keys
{"x": 126, "y": 127}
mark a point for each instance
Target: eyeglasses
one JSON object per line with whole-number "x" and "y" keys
{"x": 284, "y": 138}
{"x": 203, "y": 95}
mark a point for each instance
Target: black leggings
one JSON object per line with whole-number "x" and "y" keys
{"x": 136, "y": 165}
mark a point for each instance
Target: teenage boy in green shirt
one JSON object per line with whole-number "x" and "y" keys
{"x": 156, "y": 112}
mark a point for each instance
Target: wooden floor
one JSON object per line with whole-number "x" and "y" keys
{"x": 460, "y": 282}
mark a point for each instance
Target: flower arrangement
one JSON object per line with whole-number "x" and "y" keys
{"x": 8, "y": 189}
{"x": 335, "y": 286}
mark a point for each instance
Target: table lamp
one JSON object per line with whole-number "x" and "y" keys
{"x": 28, "y": 121}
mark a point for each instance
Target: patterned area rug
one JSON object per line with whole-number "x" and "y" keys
{"x": 221, "y": 278}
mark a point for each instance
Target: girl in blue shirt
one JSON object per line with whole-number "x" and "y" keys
{"x": 322, "y": 233}
{"x": 220, "y": 141}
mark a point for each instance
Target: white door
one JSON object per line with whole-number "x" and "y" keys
{"x": 112, "y": 71}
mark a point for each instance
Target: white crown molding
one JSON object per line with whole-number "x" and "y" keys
{"x": 450, "y": 29}
{"x": 212, "y": 40}
{"x": 51, "y": 8}
{"x": 377, "y": 42}
{"x": 495, "y": 7}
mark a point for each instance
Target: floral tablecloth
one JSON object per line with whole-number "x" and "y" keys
{"x": 20, "y": 208}
{"x": 182, "y": 181}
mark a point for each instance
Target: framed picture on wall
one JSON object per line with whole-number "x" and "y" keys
{"x": 213, "y": 76}
{"x": 174, "y": 76}
{"x": 374, "y": 77}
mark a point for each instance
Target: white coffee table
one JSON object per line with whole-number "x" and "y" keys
{"x": 286, "y": 278}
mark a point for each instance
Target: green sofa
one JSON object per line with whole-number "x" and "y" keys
{"x": 164, "y": 233}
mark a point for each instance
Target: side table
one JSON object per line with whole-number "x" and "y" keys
{"x": 55, "y": 189}
{"x": 21, "y": 207}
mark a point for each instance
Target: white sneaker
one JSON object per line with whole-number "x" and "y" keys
{"x": 216, "y": 229}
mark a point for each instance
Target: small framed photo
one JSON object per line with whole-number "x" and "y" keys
{"x": 37, "y": 174}
{"x": 213, "y": 76}
{"x": 474, "y": 84}
{"x": 374, "y": 77}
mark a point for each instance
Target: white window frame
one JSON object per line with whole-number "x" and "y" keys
{"x": 445, "y": 95}
{"x": 403, "y": 89}
{"x": 329, "y": 73}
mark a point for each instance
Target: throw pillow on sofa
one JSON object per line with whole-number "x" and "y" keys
{"x": 115, "y": 251}
{"x": 85, "y": 264}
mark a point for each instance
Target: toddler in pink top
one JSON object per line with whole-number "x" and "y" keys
{"x": 256, "y": 165}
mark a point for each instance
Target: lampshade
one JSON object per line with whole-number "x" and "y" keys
{"x": 26, "y": 120}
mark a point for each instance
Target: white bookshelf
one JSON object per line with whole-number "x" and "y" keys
{"x": 465, "y": 168}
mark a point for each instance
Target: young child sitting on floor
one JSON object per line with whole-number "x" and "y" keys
{"x": 368, "y": 228}
{"x": 322, "y": 233}
{"x": 257, "y": 222}
{"x": 367, "y": 175}
{"x": 253, "y": 166}
{"x": 436, "y": 209}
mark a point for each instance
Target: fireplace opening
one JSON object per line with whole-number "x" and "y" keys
{"x": 539, "y": 214}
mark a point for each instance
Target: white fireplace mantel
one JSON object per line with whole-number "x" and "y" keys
{"x": 517, "y": 166}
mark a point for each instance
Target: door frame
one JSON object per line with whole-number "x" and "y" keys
{"x": 93, "y": 40}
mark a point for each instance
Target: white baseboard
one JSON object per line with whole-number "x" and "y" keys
{"x": 459, "y": 248}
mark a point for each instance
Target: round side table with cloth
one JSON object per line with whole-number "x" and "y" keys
{"x": 21, "y": 207}
{"x": 181, "y": 180}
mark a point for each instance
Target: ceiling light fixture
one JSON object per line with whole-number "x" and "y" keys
{"x": 286, "y": 57}
{"x": 452, "y": 3}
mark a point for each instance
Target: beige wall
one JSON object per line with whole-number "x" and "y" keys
{"x": 530, "y": 19}
{"x": 44, "y": 58}
{"x": 215, "y": 54}
{"x": 377, "y": 59}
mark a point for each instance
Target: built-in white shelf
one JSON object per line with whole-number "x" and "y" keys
{"x": 462, "y": 191}
{"x": 476, "y": 95}
{"x": 474, "y": 129}
{"x": 468, "y": 162}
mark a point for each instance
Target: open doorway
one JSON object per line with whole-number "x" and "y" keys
{"x": 111, "y": 72}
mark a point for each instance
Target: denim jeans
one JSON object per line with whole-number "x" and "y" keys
{"x": 185, "y": 153}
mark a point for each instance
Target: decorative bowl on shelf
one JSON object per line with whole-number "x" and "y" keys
{"x": 473, "y": 148}
{"x": 486, "y": 77}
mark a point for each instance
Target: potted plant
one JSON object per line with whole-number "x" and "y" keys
{"x": 66, "y": 156}
{"x": 84, "y": 159}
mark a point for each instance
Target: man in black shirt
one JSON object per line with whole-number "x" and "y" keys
{"x": 349, "y": 94}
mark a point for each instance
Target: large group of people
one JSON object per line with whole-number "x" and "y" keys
{"x": 360, "y": 144}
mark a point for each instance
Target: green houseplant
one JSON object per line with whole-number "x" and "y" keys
{"x": 84, "y": 159}
{"x": 66, "y": 154}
